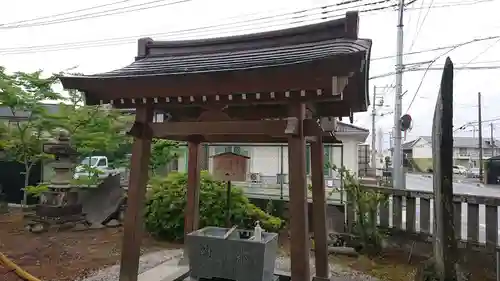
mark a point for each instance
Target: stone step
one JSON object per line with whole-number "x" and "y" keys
{"x": 167, "y": 271}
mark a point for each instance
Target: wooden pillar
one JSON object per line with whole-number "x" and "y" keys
{"x": 191, "y": 220}
{"x": 299, "y": 251}
{"x": 319, "y": 210}
{"x": 133, "y": 226}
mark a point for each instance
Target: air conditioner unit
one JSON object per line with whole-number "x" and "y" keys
{"x": 255, "y": 177}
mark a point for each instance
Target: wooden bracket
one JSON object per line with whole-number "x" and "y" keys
{"x": 292, "y": 126}
{"x": 141, "y": 130}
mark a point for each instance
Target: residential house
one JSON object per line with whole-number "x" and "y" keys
{"x": 465, "y": 151}
{"x": 268, "y": 163}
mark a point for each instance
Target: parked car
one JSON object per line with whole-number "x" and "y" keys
{"x": 473, "y": 173}
{"x": 99, "y": 163}
{"x": 459, "y": 170}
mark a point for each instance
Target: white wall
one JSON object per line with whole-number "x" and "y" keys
{"x": 182, "y": 163}
{"x": 474, "y": 153}
{"x": 422, "y": 149}
{"x": 266, "y": 160}
{"x": 350, "y": 154}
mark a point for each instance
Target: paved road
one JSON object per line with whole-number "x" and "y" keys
{"x": 414, "y": 182}
{"x": 461, "y": 185}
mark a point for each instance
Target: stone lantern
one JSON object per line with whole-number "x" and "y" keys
{"x": 59, "y": 204}
{"x": 64, "y": 161}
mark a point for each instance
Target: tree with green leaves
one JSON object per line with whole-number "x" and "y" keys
{"x": 3, "y": 136}
{"x": 163, "y": 152}
{"x": 94, "y": 130}
{"x": 30, "y": 125}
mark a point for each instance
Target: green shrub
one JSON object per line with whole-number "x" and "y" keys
{"x": 37, "y": 190}
{"x": 166, "y": 201}
{"x": 276, "y": 208}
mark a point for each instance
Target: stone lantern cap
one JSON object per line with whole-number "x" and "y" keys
{"x": 61, "y": 146}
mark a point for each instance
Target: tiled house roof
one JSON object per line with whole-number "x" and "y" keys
{"x": 6, "y": 113}
{"x": 458, "y": 142}
{"x": 350, "y": 128}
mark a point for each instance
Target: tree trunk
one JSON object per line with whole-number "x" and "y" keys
{"x": 27, "y": 171}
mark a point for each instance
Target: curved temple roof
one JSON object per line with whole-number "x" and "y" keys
{"x": 290, "y": 60}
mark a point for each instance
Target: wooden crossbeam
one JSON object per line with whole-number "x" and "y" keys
{"x": 275, "y": 128}
{"x": 261, "y": 139}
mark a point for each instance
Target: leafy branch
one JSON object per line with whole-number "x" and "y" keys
{"x": 365, "y": 203}
{"x": 30, "y": 125}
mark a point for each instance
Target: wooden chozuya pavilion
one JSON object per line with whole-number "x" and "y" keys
{"x": 267, "y": 87}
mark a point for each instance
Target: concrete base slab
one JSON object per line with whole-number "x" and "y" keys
{"x": 167, "y": 271}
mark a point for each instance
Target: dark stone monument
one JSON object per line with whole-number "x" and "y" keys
{"x": 444, "y": 265}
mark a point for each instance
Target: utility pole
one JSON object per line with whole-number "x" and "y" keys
{"x": 380, "y": 139}
{"x": 374, "y": 134}
{"x": 374, "y": 119}
{"x": 398, "y": 175}
{"x": 391, "y": 146}
{"x": 480, "y": 131}
{"x": 492, "y": 140}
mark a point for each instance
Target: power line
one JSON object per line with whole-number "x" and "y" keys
{"x": 452, "y": 4}
{"x": 440, "y": 48}
{"x": 458, "y": 68}
{"x": 65, "y": 13}
{"x": 417, "y": 25}
{"x": 483, "y": 51}
{"x": 475, "y": 123}
{"x": 299, "y": 17}
{"x": 137, "y": 7}
{"x": 490, "y": 67}
{"x": 453, "y": 47}
{"x": 423, "y": 77}
{"x": 110, "y": 12}
{"x": 419, "y": 28}
{"x": 132, "y": 39}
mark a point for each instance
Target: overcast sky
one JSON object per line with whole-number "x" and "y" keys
{"x": 447, "y": 22}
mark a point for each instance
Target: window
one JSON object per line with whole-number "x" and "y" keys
{"x": 91, "y": 161}
{"x": 308, "y": 160}
{"x": 12, "y": 123}
{"x": 101, "y": 163}
{"x": 220, "y": 149}
{"x": 234, "y": 149}
{"x": 327, "y": 151}
{"x": 326, "y": 169}
{"x": 462, "y": 151}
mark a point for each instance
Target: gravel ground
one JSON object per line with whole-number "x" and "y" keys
{"x": 338, "y": 273}
{"x": 151, "y": 260}
{"x": 146, "y": 262}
